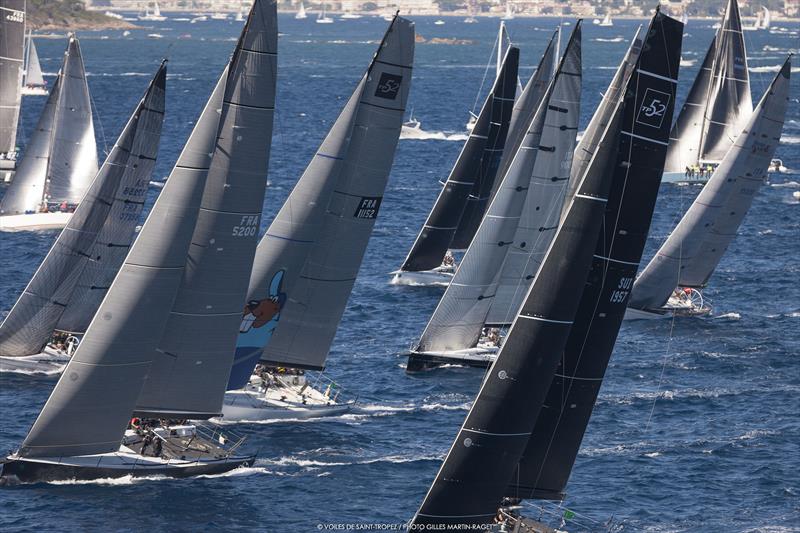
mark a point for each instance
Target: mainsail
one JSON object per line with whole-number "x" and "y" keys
{"x": 357, "y": 152}
{"x": 92, "y": 403}
{"x": 194, "y": 356}
{"x": 546, "y": 464}
{"x": 110, "y": 208}
{"x": 693, "y": 250}
{"x": 719, "y": 103}
{"x": 311, "y": 315}
{"x": 475, "y": 161}
{"x": 33, "y": 70}
{"x": 12, "y": 30}
{"x": 457, "y": 322}
{"x": 476, "y": 473}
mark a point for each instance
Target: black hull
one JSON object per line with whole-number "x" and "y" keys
{"x": 15, "y": 471}
{"x": 418, "y": 362}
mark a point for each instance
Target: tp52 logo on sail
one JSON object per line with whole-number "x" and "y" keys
{"x": 654, "y": 107}
{"x": 388, "y": 86}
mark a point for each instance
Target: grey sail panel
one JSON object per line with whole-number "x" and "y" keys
{"x": 30, "y": 323}
{"x": 684, "y": 140}
{"x": 440, "y": 227}
{"x": 547, "y": 462}
{"x": 729, "y": 102}
{"x": 33, "y": 72}
{"x": 314, "y": 308}
{"x": 115, "y": 237}
{"x": 26, "y": 192}
{"x": 587, "y": 146}
{"x": 694, "y": 248}
{"x": 92, "y": 402}
{"x": 457, "y": 322}
{"x": 194, "y": 356}
{"x": 73, "y": 153}
{"x": 543, "y": 204}
{"x": 12, "y": 30}
{"x": 526, "y": 105}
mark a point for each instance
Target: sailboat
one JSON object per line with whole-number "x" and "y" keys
{"x": 45, "y": 325}
{"x": 157, "y": 349}
{"x": 301, "y": 12}
{"x": 33, "y": 83}
{"x": 307, "y": 261}
{"x": 716, "y": 109}
{"x": 323, "y": 18}
{"x": 672, "y": 281}
{"x": 606, "y": 22}
{"x": 60, "y": 159}
{"x": 509, "y": 13}
{"x": 495, "y": 461}
{"x": 152, "y": 16}
{"x": 453, "y": 333}
{"x": 465, "y": 194}
{"x": 12, "y": 28}
{"x": 766, "y": 21}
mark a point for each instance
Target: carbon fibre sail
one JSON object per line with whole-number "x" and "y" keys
{"x": 315, "y": 304}
{"x": 458, "y": 320}
{"x": 693, "y": 250}
{"x": 12, "y": 30}
{"x": 475, "y": 475}
{"x": 94, "y": 399}
{"x": 549, "y": 456}
{"x": 109, "y": 207}
{"x": 473, "y": 166}
{"x": 356, "y": 154}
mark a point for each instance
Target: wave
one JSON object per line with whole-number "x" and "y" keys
{"x": 617, "y": 39}
{"x": 730, "y": 316}
{"x": 788, "y": 184}
{"x": 131, "y": 480}
{"x": 422, "y": 135}
{"x": 288, "y": 460}
{"x": 771, "y": 68}
{"x": 46, "y": 373}
{"x": 790, "y": 139}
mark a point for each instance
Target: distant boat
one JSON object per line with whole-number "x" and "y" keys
{"x": 439, "y": 22}
{"x": 470, "y": 20}
{"x": 155, "y": 36}
{"x": 217, "y": 15}
{"x": 766, "y": 22}
{"x": 606, "y": 22}
{"x": 388, "y": 17}
{"x": 509, "y": 14}
{"x": 154, "y": 16}
{"x": 301, "y": 12}
{"x": 114, "y": 15}
{"x": 349, "y": 15}
{"x": 412, "y": 127}
{"x": 33, "y": 82}
{"x": 323, "y": 18}
{"x": 199, "y": 18}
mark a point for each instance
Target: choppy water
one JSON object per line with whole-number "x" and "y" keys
{"x": 721, "y": 451}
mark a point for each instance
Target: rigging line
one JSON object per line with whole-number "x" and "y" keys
{"x": 100, "y": 124}
{"x": 483, "y": 80}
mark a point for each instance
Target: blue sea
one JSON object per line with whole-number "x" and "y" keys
{"x": 696, "y": 428}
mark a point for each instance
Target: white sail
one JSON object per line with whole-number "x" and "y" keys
{"x": 33, "y": 69}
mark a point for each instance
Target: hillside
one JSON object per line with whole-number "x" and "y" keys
{"x": 66, "y": 15}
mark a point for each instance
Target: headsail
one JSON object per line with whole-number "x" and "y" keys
{"x": 457, "y": 322}
{"x": 693, "y": 250}
{"x": 12, "y": 29}
{"x": 547, "y": 462}
{"x": 33, "y": 69}
{"x": 73, "y": 154}
{"x": 194, "y": 355}
{"x": 301, "y": 222}
{"x": 104, "y": 210}
{"x": 471, "y": 167}
{"x": 315, "y": 305}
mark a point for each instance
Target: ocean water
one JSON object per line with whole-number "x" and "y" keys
{"x": 696, "y": 428}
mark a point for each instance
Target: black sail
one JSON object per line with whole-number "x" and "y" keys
{"x": 548, "y": 459}
{"x": 12, "y": 35}
{"x": 476, "y": 472}
{"x": 472, "y": 167}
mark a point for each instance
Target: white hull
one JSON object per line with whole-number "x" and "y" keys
{"x": 424, "y": 278}
{"x": 34, "y": 91}
{"x": 253, "y": 406}
{"x": 152, "y": 18}
{"x": 34, "y": 221}
{"x": 48, "y": 362}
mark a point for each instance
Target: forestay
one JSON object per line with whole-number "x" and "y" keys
{"x": 460, "y": 316}
{"x": 194, "y": 356}
{"x": 12, "y": 29}
{"x": 693, "y": 250}
{"x": 312, "y": 312}
{"x": 107, "y": 209}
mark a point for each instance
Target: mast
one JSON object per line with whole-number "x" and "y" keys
{"x": 30, "y": 323}
{"x": 693, "y": 250}
{"x": 472, "y": 164}
{"x": 12, "y": 28}
{"x": 354, "y": 160}
{"x": 316, "y": 302}
{"x": 547, "y": 461}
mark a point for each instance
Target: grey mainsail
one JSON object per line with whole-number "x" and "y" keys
{"x": 193, "y": 358}
{"x": 459, "y": 318}
{"x": 311, "y": 315}
{"x": 50, "y": 292}
{"x": 693, "y": 250}
{"x": 26, "y": 192}
{"x": 300, "y": 224}
{"x": 73, "y": 154}
{"x": 12, "y": 33}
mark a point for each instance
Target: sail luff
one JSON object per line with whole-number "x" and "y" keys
{"x": 546, "y": 464}
{"x": 73, "y": 152}
{"x": 31, "y": 321}
{"x": 193, "y": 358}
{"x": 312, "y": 312}
{"x": 12, "y": 28}
{"x": 440, "y": 227}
